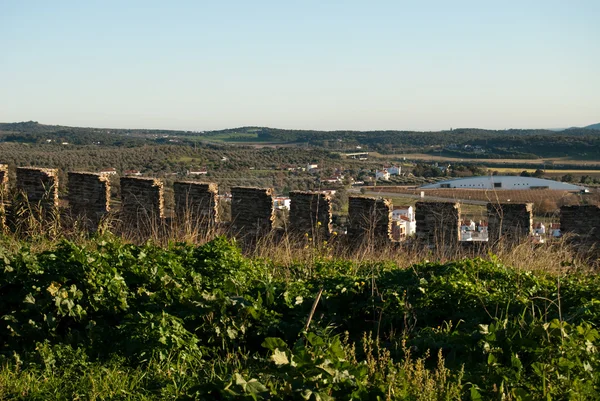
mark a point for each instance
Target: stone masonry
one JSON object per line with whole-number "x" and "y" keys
{"x": 142, "y": 198}
{"x": 438, "y": 223}
{"x": 581, "y": 221}
{"x": 89, "y": 196}
{"x": 369, "y": 219}
{"x": 196, "y": 202}
{"x": 4, "y": 198}
{"x": 3, "y": 179}
{"x": 310, "y": 213}
{"x": 252, "y": 210}
{"x": 39, "y": 186}
{"x": 509, "y": 221}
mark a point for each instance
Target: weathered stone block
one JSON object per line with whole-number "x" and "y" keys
{"x": 196, "y": 202}
{"x": 438, "y": 223}
{"x": 310, "y": 212}
{"x": 39, "y": 186}
{"x": 582, "y": 222}
{"x": 509, "y": 221}
{"x": 142, "y": 198}
{"x": 89, "y": 195}
{"x": 369, "y": 219}
{"x": 252, "y": 210}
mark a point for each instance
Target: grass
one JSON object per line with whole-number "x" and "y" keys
{"x": 295, "y": 319}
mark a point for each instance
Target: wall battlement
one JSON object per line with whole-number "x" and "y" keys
{"x": 39, "y": 186}
{"x": 196, "y": 202}
{"x": 509, "y": 221}
{"x": 438, "y": 223}
{"x": 581, "y": 221}
{"x": 310, "y": 213}
{"x": 252, "y": 209}
{"x": 89, "y": 196}
{"x": 369, "y": 219}
{"x": 142, "y": 199}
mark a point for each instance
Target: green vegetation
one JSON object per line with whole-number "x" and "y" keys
{"x": 101, "y": 318}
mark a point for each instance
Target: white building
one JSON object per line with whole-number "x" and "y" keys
{"x": 382, "y": 175}
{"x": 282, "y": 202}
{"x": 503, "y": 182}
{"x": 539, "y": 229}
{"x": 405, "y": 215}
{"x": 201, "y": 171}
{"x": 311, "y": 166}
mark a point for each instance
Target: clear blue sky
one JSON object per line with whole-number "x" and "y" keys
{"x": 198, "y": 65}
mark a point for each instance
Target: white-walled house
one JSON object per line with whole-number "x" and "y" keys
{"x": 282, "y": 202}
{"x": 467, "y": 225}
{"x": 406, "y": 216}
{"x": 201, "y": 171}
{"x": 539, "y": 229}
{"x": 382, "y": 175}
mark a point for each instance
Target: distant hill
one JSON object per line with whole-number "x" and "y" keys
{"x": 580, "y": 143}
{"x": 593, "y": 126}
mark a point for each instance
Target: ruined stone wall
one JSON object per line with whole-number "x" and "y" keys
{"x": 581, "y": 221}
{"x": 252, "y": 210}
{"x": 3, "y": 179}
{"x": 310, "y": 213}
{"x": 438, "y": 223}
{"x": 4, "y": 196}
{"x": 509, "y": 221}
{"x": 141, "y": 199}
{"x": 39, "y": 186}
{"x": 196, "y": 202}
{"x": 369, "y": 219}
{"x": 89, "y": 195}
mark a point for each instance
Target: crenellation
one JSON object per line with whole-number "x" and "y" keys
{"x": 582, "y": 223}
{"x": 438, "y": 223}
{"x": 252, "y": 210}
{"x": 142, "y": 198}
{"x": 370, "y": 219}
{"x": 39, "y": 186}
{"x": 310, "y": 213}
{"x": 89, "y": 195}
{"x": 509, "y": 221}
{"x": 196, "y": 201}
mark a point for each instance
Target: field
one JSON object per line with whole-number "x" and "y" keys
{"x": 532, "y": 195}
{"x": 103, "y": 319}
{"x": 548, "y": 172}
{"x": 538, "y": 162}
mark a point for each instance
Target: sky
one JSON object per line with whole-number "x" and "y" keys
{"x": 330, "y": 65}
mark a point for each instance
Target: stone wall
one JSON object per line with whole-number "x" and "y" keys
{"x": 39, "y": 186}
{"x": 369, "y": 219}
{"x": 438, "y": 223}
{"x": 142, "y": 199}
{"x": 4, "y": 196}
{"x": 252, "y": 211}
{"x": 3, "y": 180}
{"x": 509, "y": 221}
{"x": 196, "y": 202}
{"x": 89, "y": 196}
{"x": 581, "y": 221}
{"x": 310, "y": 213}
